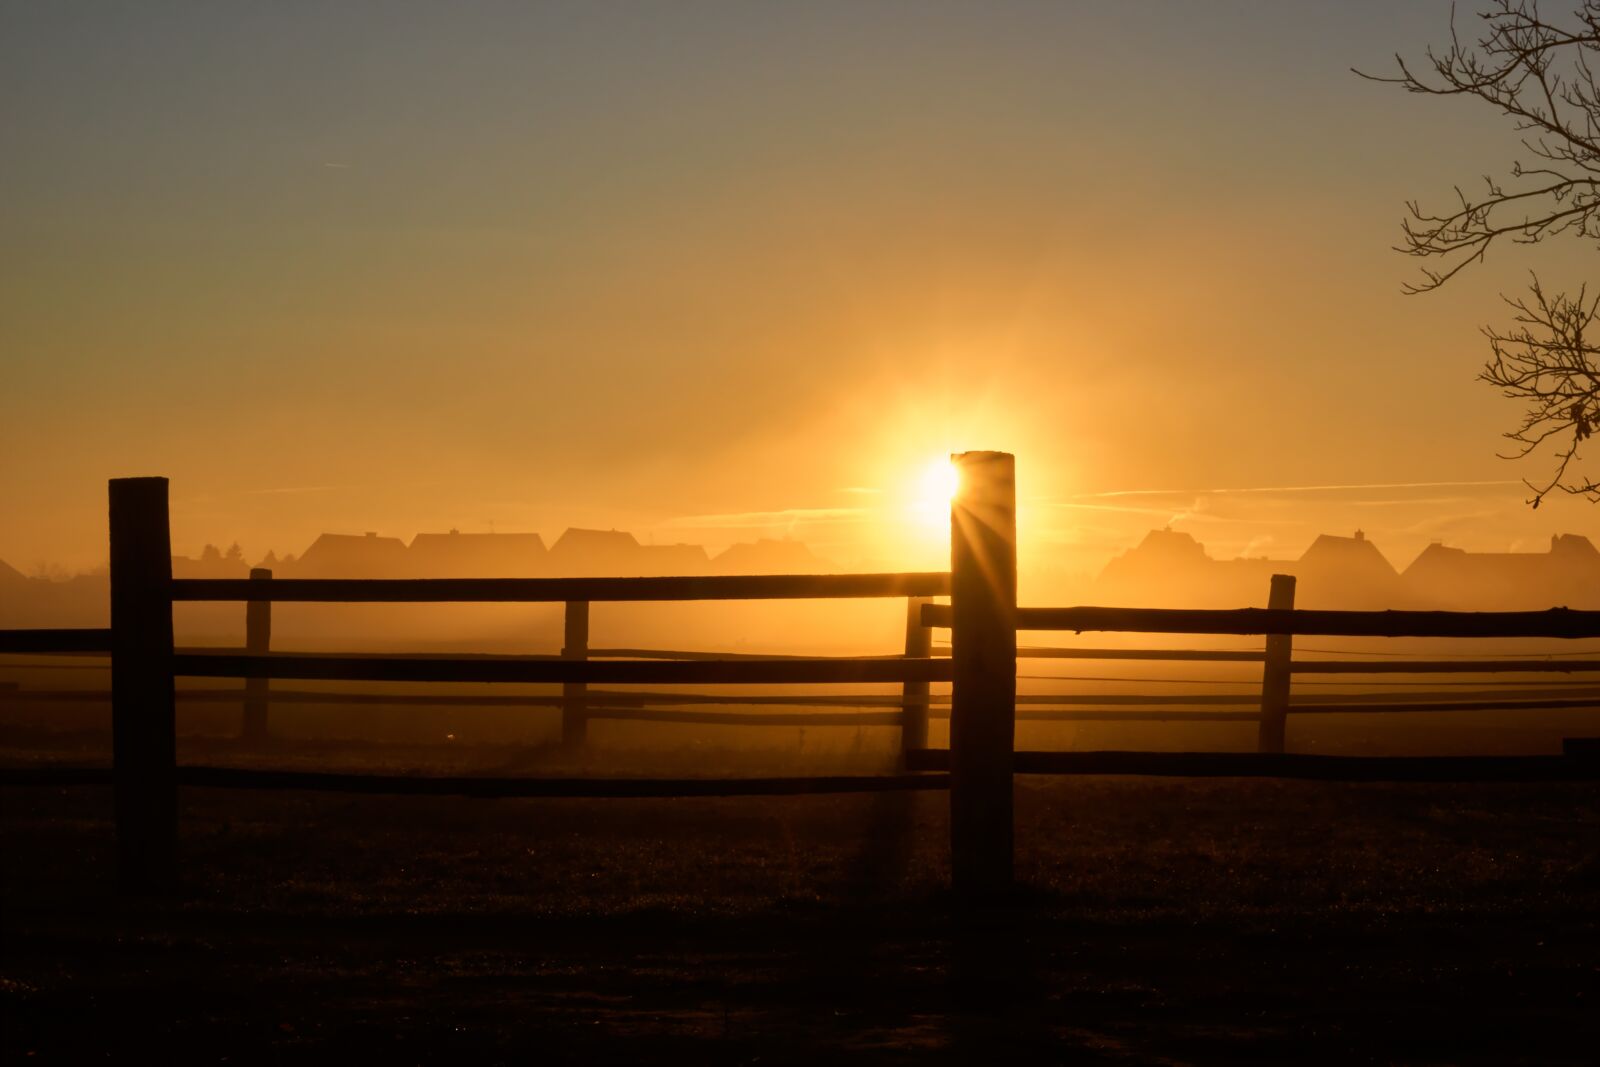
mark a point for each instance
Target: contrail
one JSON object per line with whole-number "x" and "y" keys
{"x": 1289, "y": 489}
{"x": 293, "y": 489}
{"x": 770, "y": 518}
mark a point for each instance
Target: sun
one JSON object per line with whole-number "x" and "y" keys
{"x": 935, "y": 488}
{"x": 940, "y": 480}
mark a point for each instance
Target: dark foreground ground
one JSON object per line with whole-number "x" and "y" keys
{"x": 1160, "y": 922}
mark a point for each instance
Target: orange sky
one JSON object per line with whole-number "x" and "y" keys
{"x": 740, "y": 271}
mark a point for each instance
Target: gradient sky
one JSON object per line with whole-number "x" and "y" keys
{"x": 714, "y": 271}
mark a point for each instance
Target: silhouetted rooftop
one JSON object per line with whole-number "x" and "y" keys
{"x": 477, "y": 555}
{"x": 351, "y": 556}
{"x": 1331, "y": 550}
{"x": 574, "y": 539}
{"x": 767, "y": 556}
{"x": 598, "y": 552}
{"x": 1171, "y": 568}
{"x": 1568, "y": 575}
{"x": 1171, "y": 544}
{"x": 455, "y": 541}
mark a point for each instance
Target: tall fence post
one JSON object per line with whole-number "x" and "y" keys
{"x": 914, "y": 695}
{"x": 1275, "y": 675}
{"x": 575, "y": 695}
{"x": 257, "y": 641}
{"x": 983, "y": 640}
{"x": 143, "y": 723}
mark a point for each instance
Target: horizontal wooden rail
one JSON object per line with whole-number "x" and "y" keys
{"x": 55, "y": 776}
{"x": 1562, "y": 623}
{"x": 600, "y": 697}
{"x": 1200, "y": 654}
{"x": 1386, "y": 708}
{"x": 472, "y": 786}
{"x": 848, "y": 713}
{"x": 1293, "y": 765}
{"x": 747, "y": 718}
{"x": 530, "y": 657}
{"x": 617, "y": 672}
{"x": 1404, "y": 700}
{"x": 1530, "y": 691}
{"x": 1127, "y": 715}
{"x": 871, "y": 714}
{"x": 872, "y": 718}
{"x": 668, "y": 707}
{"x": 1457, "y": 666}
{"x": 1575, "y": 767}
{"x": 71, "y": 640}
{"x": 667, "y": 653}
{"x": 536, "y": 590}
{"x": 646, "y": 697}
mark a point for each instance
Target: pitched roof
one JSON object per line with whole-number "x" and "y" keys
{"x": 455, "y": 540}
{"x": 767, "y": 556}
{"x": 574, "y": 539}
{"x": 477, "y": 555}
{"x": 350, "y": 556}
{"x": 1357, "y": 553}
{"x": 1566, "y": 575}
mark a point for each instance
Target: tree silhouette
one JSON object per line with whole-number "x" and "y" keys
{"x": 1541, "y": 74}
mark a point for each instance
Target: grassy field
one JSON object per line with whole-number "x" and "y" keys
{"x": 1157, "y": 922}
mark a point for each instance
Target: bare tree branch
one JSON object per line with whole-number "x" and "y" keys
{"x": 1541, "y": 75}
{"x": 1551, "y": 362}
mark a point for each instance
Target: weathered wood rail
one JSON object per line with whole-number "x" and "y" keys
{"x": 1563, "y": 623}
{"x": 559, "y": 590}
{"x": 74, "y": 641}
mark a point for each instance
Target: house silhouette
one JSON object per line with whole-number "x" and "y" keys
{"x": 768, "y": 556}
{"x": 1568, "y": 575}
{"x": 349, "y": 556}
{"x": 617, "y": 553}
{"x": 595, "y": 552}
{"x": 1345, "y": 572}
{"x": 1169, "y": 568}
{"x": 578, "y": 552}
{"x": 10, "y": 576}
{"x": 477, "y": 555}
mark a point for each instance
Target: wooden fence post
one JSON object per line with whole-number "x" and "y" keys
{"x": 1275, "y": 675}
{"x": 914, "y": 695}
{"x": 983, "y": 640}
{"x": 574, "y": 695}
{"x": 257, "y": 641}
{"x": 143, "y": 724}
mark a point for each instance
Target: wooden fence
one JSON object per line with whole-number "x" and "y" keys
{"x": 982, "y": 616}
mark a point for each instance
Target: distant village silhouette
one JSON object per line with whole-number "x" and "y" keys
{"x": 83, "y": 599}
{"x": 576, "y": 553}
{"x": 1168, "y": 568}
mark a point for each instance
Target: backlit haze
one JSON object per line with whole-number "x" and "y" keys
{"x": 715, "y": 272}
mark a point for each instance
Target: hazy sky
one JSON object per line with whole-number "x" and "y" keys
{"x": 712, "y": 271}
